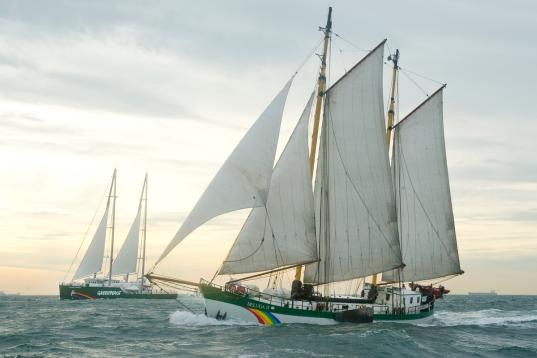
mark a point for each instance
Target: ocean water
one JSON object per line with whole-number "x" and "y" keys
{"x": 463, "y": 326}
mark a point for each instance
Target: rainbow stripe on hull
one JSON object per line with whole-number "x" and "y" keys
{"x": 80, "y": 296}
{"x": 221, "y": 304}
{"x": 264, "y": 317}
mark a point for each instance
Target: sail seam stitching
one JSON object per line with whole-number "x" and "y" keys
{"x": 370, "y": 214}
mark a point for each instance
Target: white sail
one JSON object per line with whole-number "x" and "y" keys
{"x": 127, "y": 257}
{"x": 283, "y": 232}
{"x": 426, "y": 225}
{"x": 357, "y": 227}
{"x": 92, "y": 261}
{"x": 244, "y": 179}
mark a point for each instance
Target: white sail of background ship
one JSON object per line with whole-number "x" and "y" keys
{"x": 94, "y": 278}
{"x": 366, "y": 216}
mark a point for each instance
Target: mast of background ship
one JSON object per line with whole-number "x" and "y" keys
{"x": 113, "y": 227}
{"x": 144, "y": 235}
{"x": 321, "y": 84}
{"x": 391, "y": 112}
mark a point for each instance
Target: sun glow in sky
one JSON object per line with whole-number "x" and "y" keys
{"x": 170, "y": 88}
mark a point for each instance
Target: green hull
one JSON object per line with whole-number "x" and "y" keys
{"x": 281, "y": 310}
{"x": 403, "y": 317}
{"x": 68, "y": 292}
{"x": 216, "y": 294}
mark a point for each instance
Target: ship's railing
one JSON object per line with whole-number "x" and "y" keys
{"x": 263, "y": 297}
{"x": 387, "y": 309}
{"x": 266, "y": 298}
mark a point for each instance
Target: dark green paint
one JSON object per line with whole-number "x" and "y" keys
{"x": 87, "y": 292}
{"x": 216, "y": 294}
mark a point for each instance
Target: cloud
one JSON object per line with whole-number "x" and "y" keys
{"x": 89, "y": 86}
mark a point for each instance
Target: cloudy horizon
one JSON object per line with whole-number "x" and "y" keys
{"x": 170, "y": 88}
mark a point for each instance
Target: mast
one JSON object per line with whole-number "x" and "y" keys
{"x": 113, "y": 226}
{"x": 144, "y": 234}
{"x": 321, "y": 84}
{"x": 391, "y": 112}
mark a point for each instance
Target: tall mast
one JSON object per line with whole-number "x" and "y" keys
{"x": 144, "y": 235}
{"x": 113, "y": 227}
{"x": 391, "y": 111}
{"x": 321, "y": 84}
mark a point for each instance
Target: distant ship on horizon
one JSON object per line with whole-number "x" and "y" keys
{"x": 2, "y": 293}
{"x": 490, "y": 293}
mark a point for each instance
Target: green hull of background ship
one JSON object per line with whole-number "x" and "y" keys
{"x": 116, "y": 290}
{"x": 366, "y": 215}
{"x": 89, "y": 282}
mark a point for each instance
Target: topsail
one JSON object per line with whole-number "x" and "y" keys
{"x": 283, "y": 232}
{"x": 243, "y": 180}
{"x": 425, "y": 214}
{"x": 355, "y": 204}
{"x": 126, "y": 260}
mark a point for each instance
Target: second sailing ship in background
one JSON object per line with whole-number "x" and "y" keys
{"x": 91, "y": 280}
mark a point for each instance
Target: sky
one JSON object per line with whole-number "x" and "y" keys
{"x": 170, "y": 87}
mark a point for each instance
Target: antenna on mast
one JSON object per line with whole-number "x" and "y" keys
{"x": 394, "y": 58}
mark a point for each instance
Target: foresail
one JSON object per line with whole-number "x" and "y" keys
{"x": 244, "y": 179}
{"x": 126, "y": 260}
{"x": 355, "y": 204}
{"x": 426, "y": 224}
{"x": 283, "y": 232}
{"x": 92, "y": 261}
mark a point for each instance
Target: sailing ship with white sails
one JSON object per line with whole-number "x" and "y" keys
{"x": 365, "y": 215}
{"x": 90, "y": 281}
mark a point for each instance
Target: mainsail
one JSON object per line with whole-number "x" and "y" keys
{"x": 283, "y": 232}
{"x": 355, "y": 204}
{"x": 126, "y": 260}
{"x": 425, "y": 214}
{"x": 92, "y": 261}
{"x": 243, "y": 180}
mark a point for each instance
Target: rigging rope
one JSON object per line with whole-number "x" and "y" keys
{"x": 342, "y": 61}
{"x": 422, "y": 76}
{"x": 260, "y": 243}
{"x": 415, "y": 83}
{"x": 308, "y": 56}
{"x": 350, "y": 43}
{"x": 445, "y": 279}
{"x": 86, "y": 233}
{"x": 370, "y": 214}
{"x": 435, "y": 230}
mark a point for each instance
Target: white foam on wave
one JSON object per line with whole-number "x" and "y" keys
{"x": 488, "y": 317}
{"x": 189, "y": 319}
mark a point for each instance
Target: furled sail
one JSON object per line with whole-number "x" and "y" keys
{"x": 244, "y": 179}
{"x": 92, "y": 261}
{"x": 283, "y": 232}
{"x": 355, "y": 203}
{"x": 126, "y": 260}
{"x": 425, "y": 214}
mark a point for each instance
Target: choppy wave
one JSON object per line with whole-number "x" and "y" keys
{"x": 462, "y": 325}
{"x": 185, "y": 318}
{"x": 486, "y": 317}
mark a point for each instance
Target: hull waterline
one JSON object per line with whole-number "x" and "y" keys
{"x": 270, "y": 310}
{"x": 69, "y": 292}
